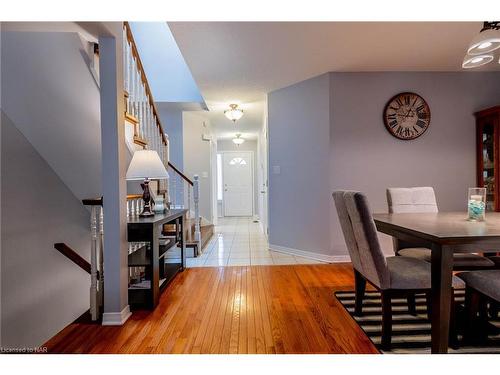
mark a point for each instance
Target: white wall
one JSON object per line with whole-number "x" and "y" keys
{"x": 262, "y": 173}
{"x": 42, "y": 291}
{"x": 249, "y": 145}
{"x": 198, "y": 158}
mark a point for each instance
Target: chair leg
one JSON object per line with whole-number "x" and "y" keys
{"x": 360, "y": 286}
{"x": 453, "y": 335}
{"x": 472, "y": 301}
{"x": 494, "y": 307}
{"x": 386, "y": 320}
{"x": 412, "y": 308}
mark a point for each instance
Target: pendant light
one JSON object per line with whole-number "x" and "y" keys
{"x": 238, "y": 140}
{"x": 475, "y": 61}
{"x": 233, "y": 113}
{"x": 487, "y": 40}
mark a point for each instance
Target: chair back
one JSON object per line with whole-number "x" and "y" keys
{"x": 371, "y": 260}
{"x": 345, "y": 224}
{"x": 411, "y": 200}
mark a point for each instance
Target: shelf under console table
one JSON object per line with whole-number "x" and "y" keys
{"x": 154, "y": 259}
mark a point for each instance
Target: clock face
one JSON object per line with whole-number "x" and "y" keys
{"x": 407, "y": 116}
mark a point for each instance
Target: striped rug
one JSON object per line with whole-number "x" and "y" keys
{"x": 411, "y": 334}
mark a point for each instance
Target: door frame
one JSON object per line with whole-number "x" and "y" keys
{"x": 253, "y": 180}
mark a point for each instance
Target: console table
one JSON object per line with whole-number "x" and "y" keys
{"x": 156, "y": 270}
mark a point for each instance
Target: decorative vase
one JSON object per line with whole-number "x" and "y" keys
{"x": 159, "y": 206}
{"x": 476, "y": 204}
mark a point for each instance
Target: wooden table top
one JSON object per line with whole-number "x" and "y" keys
{"x": 441, "y": 226}
{"x": 158, "y": 218}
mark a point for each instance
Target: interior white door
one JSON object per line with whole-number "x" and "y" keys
{"x": 238, "y": 183}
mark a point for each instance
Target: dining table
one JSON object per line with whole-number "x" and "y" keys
{"x": 444, "y": 233}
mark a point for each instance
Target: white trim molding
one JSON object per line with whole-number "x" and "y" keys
{"x": 116, "y": 318}
{"x": 310, "y": 255}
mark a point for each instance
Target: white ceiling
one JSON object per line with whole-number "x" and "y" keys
{"x": 242, "y": 61}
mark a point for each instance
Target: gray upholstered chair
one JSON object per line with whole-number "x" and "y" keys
{"x": 393, "y": 276}
{"x": 481, "y": 287}
{"x": 423, "y": 200}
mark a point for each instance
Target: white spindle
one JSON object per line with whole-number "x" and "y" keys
{"x": 101, "y": 257}
{"x": 93, "y": 262}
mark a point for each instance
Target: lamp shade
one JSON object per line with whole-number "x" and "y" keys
{"x": 234, "y": 113}
{"x": 146, "y": 164}
{"x": 475, "y": 61}
{"x": 486, "y": 41}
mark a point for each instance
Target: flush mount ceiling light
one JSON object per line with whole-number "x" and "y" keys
{"x": 234, "y": 113}
{"x": 475, "y": 61}
{"x": 238, "y": 141}
{"x": 487, "y": 40}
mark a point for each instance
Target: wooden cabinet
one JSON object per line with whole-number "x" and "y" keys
{"x": 488, "y": 142}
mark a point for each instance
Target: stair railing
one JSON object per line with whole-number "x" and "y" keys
{"x": 96, "y": 256}
{"x": 179, "y": 190}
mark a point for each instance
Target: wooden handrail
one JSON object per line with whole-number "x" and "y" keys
{"x": 72, "y": 255}
{"x": 135, "y": 53}
{"x": 92, "y": 201}
{"x": 180, "y": 173}
{"x": 133, "y": 196}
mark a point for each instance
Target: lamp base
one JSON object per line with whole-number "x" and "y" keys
{"x": 146, "y": 197}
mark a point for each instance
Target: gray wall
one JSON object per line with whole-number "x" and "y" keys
{"x": 299, "y": 136}
{"x": 198, "y": 158}
{"x": 171, "y": 119}
{"x": 365, "y": 157}
{"x": 327, "y": 133}
{"x": 42, "y": 291}
{"x": 249, "y": 145}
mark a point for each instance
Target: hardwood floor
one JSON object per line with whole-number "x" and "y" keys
{"x": 251, "y": 309}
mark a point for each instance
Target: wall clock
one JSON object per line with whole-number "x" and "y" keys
{"x": 407, "y": 116}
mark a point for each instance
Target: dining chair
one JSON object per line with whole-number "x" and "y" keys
{"x": 423, "y": 200}
{"x": 394, "y": 276}
{"x": 480, "y": 287}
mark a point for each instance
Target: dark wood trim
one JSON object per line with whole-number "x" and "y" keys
{"x": 488, "y": 111}
{"x": 72, "y": 255}
{"x": 135, "y": 52}
{"x": 180, "y": 173}
{"x": 92, "y": 201}
{"x": 491, "y": 116}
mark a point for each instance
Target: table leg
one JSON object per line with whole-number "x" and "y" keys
{"x": 441, "y": 277}
{"x": 182, "y": 242}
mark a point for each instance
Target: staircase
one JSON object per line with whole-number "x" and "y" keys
{"x": 144, "y": 130}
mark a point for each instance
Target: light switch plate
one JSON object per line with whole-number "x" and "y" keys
{"x": 204, "y": 174}
{"x": 276, "y": 169}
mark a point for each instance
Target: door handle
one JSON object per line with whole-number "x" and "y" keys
{"x": 263, "y": 192}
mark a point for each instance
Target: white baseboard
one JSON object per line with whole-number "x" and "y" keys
{"x": 116, "y": 318}
{"x": 311, "y": 255}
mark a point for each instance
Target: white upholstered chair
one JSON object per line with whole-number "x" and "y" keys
{"x": 423, "y": 200}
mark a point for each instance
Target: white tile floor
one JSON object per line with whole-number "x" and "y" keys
{"x": 240, "y": 242}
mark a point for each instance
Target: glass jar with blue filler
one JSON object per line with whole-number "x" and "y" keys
{"x": 476, "y": 204}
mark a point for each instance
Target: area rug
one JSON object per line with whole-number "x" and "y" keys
{"x": 411, "y": 334}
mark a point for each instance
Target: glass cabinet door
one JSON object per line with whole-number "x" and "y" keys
{"x": 488, "y": 160}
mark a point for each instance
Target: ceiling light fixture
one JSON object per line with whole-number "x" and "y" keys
{"x": 475, "y": 61}
{"x": 238, "y": 140}
{"x": 487, "y": 40}
{"x": 234, "y": 113}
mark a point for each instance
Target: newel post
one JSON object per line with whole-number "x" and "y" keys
{"x": 114, "y": 187}
{"x": 196, "y": 198}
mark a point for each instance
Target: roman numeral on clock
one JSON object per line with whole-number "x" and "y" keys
{"x": 421, "y": 123}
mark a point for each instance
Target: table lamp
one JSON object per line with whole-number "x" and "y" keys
{"x": 146, "y": 165}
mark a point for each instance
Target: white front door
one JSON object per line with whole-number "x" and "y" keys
{"x": 238, "y": 183}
